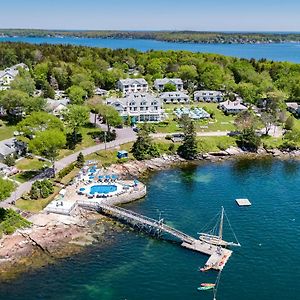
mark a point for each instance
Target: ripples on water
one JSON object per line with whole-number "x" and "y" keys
{"x": 137, "y": 267}
{"x": 277, "y": 52}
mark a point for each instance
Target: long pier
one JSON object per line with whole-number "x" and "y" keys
{"x": 218, "y": 256}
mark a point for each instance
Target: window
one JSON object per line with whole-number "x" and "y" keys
{"x": 132, "y": 103}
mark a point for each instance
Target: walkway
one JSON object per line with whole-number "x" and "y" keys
{"x": 218, "y": 256}
{"x": 124, "y": 135}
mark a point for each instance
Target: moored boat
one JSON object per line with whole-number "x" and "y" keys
{"x": 208, "y": 284}
{"x": 205, "y": 288}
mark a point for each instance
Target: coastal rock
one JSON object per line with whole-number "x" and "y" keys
{"x": 233, "y": 151}
{"x": 219, "y": 153}
{"x": 261, "y": 151}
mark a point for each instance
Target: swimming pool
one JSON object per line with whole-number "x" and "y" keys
{"x": 103, "y": 189}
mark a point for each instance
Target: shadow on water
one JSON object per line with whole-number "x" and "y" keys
{"x": 290, "y": 167}
{"x": 242, "y": 166}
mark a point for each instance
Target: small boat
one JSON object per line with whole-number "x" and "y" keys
{"x": 205, "y": 288}
{"x": 217, "y": 238}
{"x": 205, "y": 268}
{"x": 208, "y": 284}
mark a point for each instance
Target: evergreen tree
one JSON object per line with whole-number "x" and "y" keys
{"x": 188, "y": 149}
{"x": 80, "y": 160}
{"x": 143, "y": 147}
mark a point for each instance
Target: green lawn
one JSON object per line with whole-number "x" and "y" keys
{"x": 36, "y": 205}
{"x": 108, "y": 157}
{"x": 87, "y": 141}
{"x": 25, "y": 176}
{"x": 215, "y": 143}
{"x": 26, "y": 164}
{"x": 221, "y": 122}
{"x": 6, "y": 131}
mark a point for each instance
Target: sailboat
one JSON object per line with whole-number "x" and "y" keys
{"x": 216, "y": 238}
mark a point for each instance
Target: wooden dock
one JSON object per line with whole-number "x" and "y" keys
{"x": 218, "y": 256}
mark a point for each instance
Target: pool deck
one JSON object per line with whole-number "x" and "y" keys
{"x": 67, "y": 205}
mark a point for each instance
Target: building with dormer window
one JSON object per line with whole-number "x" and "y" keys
{"x": 143, "y": 107}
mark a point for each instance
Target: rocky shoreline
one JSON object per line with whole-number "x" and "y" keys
{"x": 53, "y": 236}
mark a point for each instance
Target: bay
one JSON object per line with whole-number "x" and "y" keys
{"x": 277, "y": 52}
{"x": 135, "y": 266}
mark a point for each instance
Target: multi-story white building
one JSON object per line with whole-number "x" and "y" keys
{"x": 174, "y": 97}
{"x": 129, "y": 85}
{"x": 208, "y": 96}
{"x": 159, "y": 84}
{"x": 143, "y": 107}
{"x": 9, "y": 74}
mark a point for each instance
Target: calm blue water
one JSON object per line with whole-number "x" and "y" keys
{"x": 277, "y": 52}
{"x": 137, "y": 267}
{"x": 103, "y": 189}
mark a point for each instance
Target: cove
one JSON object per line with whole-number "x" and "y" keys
{"x": 135, "y": 266}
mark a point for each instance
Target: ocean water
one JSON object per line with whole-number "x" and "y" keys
{"x": 135, "y": 266}
{"x": 277, "y": 52}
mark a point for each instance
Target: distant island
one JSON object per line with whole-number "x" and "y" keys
{"x": 168, "y": 36}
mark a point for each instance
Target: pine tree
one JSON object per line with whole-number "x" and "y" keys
{"x": 143, "y": 147}
{"x": 188, "y": 149}
{"x": 80, "y": 160}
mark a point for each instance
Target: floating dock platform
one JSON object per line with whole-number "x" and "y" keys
{"x": 218, "y": 256}
{"x": 243, "y": 202}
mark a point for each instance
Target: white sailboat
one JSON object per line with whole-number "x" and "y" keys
{"x": 215, "y": 236}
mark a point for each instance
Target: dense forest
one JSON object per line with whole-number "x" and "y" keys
{"x": 170, "y": 36}
{"x": 79, "y": 69}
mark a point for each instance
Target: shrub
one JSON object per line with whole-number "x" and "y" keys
{"x": 110, "y": 136}
{"x": 65, "y": 171}
{"x": 41, "y": 189}
{"x": 6, "y": 187}
{"x": 10, "y": 221}
{"x": 10, "y": 160}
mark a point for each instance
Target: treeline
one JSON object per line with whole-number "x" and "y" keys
{"x": 79, "y": 69}
{"x": 170, "y": 36}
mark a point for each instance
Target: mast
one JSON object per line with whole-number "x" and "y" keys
{"x": 221, "y": 224}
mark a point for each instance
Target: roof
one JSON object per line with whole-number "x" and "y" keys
{"x": 173, "y": 94}
{"x": 7, "y": 147}
{"x": 138, "y": 98}
{"x": 292, "y": 105}
{"x": 168, "y": 80}
{"x": 52, "y": 104}
{"x": 11, "y": 72}
{"x": 207, "y": 93}
{"x": 130, "y": 81}
{"x": 233, "y": 105}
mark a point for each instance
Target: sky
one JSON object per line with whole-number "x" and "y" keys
{"x": 214, "y": 15}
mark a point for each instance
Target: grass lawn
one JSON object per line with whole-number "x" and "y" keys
{"x": 6, "y": 131}
{"x": 108, "y": 157}
{"x": 25, "y": 176}
{"x": 221, "y": 122}
{"x": 87, "y": 141}
{"x": 215, "y": 143}
{"x": 65, "y": 180}
{"x": 26, "y": 164}
{"x": 36, "y": 205}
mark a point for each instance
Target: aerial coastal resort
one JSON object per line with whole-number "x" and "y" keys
{"x": 96, "y": 189}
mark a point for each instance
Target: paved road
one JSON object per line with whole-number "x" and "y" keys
{"x": 124, "y": 135}
{"x": 208, "y": 133}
